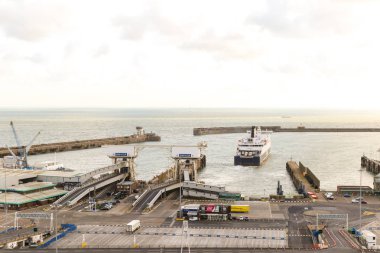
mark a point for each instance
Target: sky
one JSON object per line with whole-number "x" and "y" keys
{"x": 135, "y": 54}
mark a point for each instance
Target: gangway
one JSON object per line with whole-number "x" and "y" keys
{"x": 186, "y": 175}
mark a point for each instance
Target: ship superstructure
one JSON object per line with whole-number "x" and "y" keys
{"x": 255, "y": 149}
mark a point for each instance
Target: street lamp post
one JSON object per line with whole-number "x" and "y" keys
{"x": 56, "y": 227}
{"x": 360, "y": 200}
{"x": 180, "y": 193}
{"x": 5, "y": 201}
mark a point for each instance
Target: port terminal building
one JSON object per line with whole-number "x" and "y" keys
{"x": 29, "y": 194}
{"x": 21, "y": 189}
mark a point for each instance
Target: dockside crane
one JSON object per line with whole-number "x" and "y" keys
{"x": 22, "y": 158}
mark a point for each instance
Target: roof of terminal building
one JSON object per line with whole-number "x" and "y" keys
{"x": 14, "y": 198}
{"x": 19, "y": 172}
{"x": 31, "y": 186}
{"x": 35, "y": 173}
{"x": 59, "y": 173}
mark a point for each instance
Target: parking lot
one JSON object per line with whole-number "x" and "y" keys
{"x": 116, "y": 236}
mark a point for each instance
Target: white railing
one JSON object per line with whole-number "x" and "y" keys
{"x": 139, "y": 198}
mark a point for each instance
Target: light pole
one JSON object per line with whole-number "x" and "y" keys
{"x": 360, "y": 200}
{"x": 56, "y": 227}
{"x": 5, "y": 201}
{"x": 180, "y": 193}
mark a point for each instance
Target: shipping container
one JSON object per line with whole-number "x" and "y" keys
{"x": 240, "y": 208}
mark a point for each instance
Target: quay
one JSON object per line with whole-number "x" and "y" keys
{"x": 139, "y": 137}
{"x": 303, "y": 178}
{"x": 244, "y": 129}
{"x": 370, "y": 165}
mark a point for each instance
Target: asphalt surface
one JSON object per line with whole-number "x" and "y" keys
{"x": 175, "y": 250}
{"x": 296, "y": 222}
{"x": 21, "y": 233}
{"x": 297, "y": 228}
{"x": 145, "y": 200}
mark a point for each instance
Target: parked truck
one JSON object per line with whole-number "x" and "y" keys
{"x": 133, "y": 226}
{"x": 239, "y": 208}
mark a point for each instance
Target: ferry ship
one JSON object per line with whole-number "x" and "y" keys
{"x": 254, "y": 150}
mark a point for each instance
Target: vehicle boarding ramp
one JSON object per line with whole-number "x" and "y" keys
{"x": 72, "y": 197}
{"x": 189, "y": 188}
{"x": 186, "y": 175}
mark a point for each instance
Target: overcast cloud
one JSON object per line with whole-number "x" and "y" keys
{"x": 308, "y": 54}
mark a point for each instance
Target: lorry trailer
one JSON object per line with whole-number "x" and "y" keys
{"x": 133, "y": 226}
{"x": 239, "y": 208}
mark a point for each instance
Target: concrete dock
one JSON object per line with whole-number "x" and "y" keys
{"x": 370, "y": 165}
{"x": 84, "y": 144}
{"x": 303, "y": 179}
{"x": 244, "y": 129}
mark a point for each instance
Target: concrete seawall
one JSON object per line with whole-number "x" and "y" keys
{"x": 84, "y": 144}
{"x": 244, "y": 129}
{"x": 371, "y": 165}
{"x": 303, "y": 178}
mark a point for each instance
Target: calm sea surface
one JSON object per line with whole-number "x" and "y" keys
{"x": 333, "y": 157}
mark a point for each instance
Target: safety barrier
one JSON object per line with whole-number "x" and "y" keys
{"x": 8, "y": 230}
{"x": 68, "y": 228}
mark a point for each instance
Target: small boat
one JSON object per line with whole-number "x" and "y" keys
{"x": 48, "y": 165}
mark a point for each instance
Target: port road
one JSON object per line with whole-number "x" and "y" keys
{"x": 177, "y": 250}
{"x": 295, "y": 218}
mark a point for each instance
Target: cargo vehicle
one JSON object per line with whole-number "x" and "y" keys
{"x": 240, "y": 208}
{"x": 230, "y": 195}
{"x": 133, "y": 226}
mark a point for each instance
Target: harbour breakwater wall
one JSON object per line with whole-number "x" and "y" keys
{"x": 244, "y": 129}
{"x": 370, "y": 165}
{"x": 84, "y": 144}
{"x": 303, "y": 178}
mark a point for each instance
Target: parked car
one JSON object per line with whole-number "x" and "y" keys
{"x": 347, "y": 195}
{"x": 246, "y": 218}
{"x": 241, "y": 218}
{"x": 105, "y": 206}
{"x": 193, "y": 218}
{"x": 357, "y": 200}
{"x": 33, "y": 245}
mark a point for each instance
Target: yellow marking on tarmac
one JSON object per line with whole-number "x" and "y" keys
{"x": 367, "y": 213}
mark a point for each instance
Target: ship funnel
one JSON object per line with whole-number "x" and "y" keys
{"x": 253, "y": 132}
